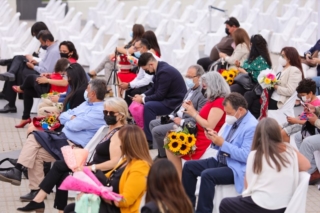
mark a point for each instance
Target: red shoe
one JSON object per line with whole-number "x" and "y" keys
{"x": 314, "y": 178}
{"x": 23, "y": 123}
{"x": 17, "y": 89}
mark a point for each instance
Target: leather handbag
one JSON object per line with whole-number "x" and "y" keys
{"x": 245, "y": 80}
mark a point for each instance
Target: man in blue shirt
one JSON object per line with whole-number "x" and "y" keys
{"x": 80, "y": 125}
{"x": 21, "y": 67}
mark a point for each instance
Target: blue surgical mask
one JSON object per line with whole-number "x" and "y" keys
{"x": 85, "y": 95}
{"x": 131, "y": 34}
{"x": 189, "y": 82}
{"x": 137, "y": 54}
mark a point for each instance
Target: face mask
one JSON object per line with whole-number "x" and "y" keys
{"x": 149, "y": 73}
{"x": 189, "y": 82}
{"x": 110, "y": 120}
{"x": 64, "y": 55}
{"x": 131, "y": 34}
{"x": 203, "y": 91}
{"x": 44, "y": 47}
{"x": 231, "y": 119}
{"x": 85, "y": 95}
{"x": 282, "y": 61}
{"x": 227, "y": 31}
{"x": 305, "y": 99}
{"x": 137, "y": 54}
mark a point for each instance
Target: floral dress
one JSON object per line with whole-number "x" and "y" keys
{"x": 256, "y": 66}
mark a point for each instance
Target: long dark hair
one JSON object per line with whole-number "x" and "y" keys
{"x": 259, "y": 47}
{"x": 292, "y": 55}
{"x": 165, "y": 189}
{"x": 77, "y": 79}
{"x": 37, "y": 27}
{"x": 267, "y": 143}
{"x": 153, "y": 41}
{"x": 137, "y": 32}
{"x": 71, "y": 48}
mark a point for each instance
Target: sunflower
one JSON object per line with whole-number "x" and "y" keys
{"x": 182, "y": 136}
{"x": 230, "y": 81}
{"x": 225, "y": 74}
{"x": 50, "y": 120}
{"x": 191, "y": 140}
{"x": 184, "y": 149}
{"x": 174, "y": 145}
{"x": 172, "y": 136}
{"x": 267, "y": 81}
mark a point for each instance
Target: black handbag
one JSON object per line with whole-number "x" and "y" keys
{"x": 245, "y": 80}
{"x": 192, "y": 128}
{"x": 307, "y": 127}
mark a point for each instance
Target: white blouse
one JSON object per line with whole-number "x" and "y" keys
{"x": 272, "y": 189}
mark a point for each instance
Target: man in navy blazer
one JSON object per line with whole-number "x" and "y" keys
{"x": 165, "y": 95}
{"x": 229, "y": 166}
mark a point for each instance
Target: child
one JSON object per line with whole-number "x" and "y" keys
{"x": 306, "y": 91}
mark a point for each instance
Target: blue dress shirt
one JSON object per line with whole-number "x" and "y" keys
{"x": 88, "y": 119}
{"x": 46, "y": 65}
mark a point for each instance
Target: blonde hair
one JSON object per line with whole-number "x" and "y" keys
{"x": 119, "y": 105}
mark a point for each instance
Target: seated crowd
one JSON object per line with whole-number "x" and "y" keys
{"x": 236, "y": 143}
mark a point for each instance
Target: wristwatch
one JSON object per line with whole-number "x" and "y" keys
{"x": 93, "y": 167}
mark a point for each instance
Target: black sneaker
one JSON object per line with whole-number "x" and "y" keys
{"x": 12, "y": 176}
{"x": 33, "y": 206}
{"x": 7, "y": 76}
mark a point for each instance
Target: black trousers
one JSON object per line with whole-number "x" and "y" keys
{"x": 205, "y": 63}
{"x": 135, "y": 91}
{"x": 253, "y": 101}
{"x": 243, "y": 205}
{"x": 70, "y": 208}
{"x": 238, "y": 88}
{"x": 21, "y": 71}
{"x": 55, "y": 177}
{"x": 31, "y": 89}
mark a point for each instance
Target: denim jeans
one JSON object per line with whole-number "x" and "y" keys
{"x": 317, "y": 80}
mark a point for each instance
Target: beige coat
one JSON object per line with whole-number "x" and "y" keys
{"x": 240, "y": 53}
{"x": 288, "y": 83}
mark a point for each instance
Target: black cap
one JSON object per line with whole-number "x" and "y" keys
{"x": 232, "y": 21}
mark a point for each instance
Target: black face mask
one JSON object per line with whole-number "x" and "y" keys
{"x": 44, "y": 47}
{"x": 64, "y": 55}
{"x": 227, "y": 31}
{"x": 203, "y": 91}
{"x": 150, "y": 73}
{"x": 110, "y": 120}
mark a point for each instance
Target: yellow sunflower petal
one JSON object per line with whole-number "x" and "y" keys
{"x": 174, "y": 145}
{"x": 182, "y": 136}
{"x": 191, "y": 140}
{"x": 173, "y": 135}
{"x": 184, "y": 149}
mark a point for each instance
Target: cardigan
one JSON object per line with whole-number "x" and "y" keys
{"x": 240, "y": 53}
{"x": 288, "y": 83}
{"x": 133, "y": 185}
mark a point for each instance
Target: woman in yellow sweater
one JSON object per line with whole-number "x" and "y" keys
{"x": 129, "y": 177}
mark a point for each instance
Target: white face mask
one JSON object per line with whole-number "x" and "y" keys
{"x": 282, "y": 61}
{"x": 231, "y": 119}
{"x": 305, "y": 99}
{"x": 85, "y": 95}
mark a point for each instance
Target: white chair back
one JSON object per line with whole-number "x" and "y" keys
{"x": 308, "y": 31}
{"x": 252, "y": 17}
{"x": 310, "y": 4}
{"x": 161, "y": 30}
{"x": 11, "y": 27}
{"x": 186, "y": 14}
{"x": 206, "y": 5}
{"x": 164, "y": 6}
{"x": 290, "y": 27}
{"x": 87, "y": 31}
{"x": 75, "y": 24}
{"x": 69, "y": 15}
{"x": 19, "y": 31}
{"x": 142, "y": 17}
{"x": 258, "y": 5}
{"x": 91, "y": 146}
{"x": 175, "y": 9}
{"x": 131, "y": 15}
{"x": 33, "y": 45}
{"x": 299, "y": 198}
{"x": 236, "y": 11}
{"x": 273, "y": 8}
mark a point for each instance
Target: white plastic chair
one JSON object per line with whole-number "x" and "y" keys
{"x": 185, "y": 18}
{"x": 48, "y": 10}
{"x": 160, "y": 32}
{"x": 308, "y": 36}
{"x": 73, "y": 28}
{"x": 265, "y": 19}
{"x": 251, "y": 22}
{"x": 87, "y": 48}
{"x": 99, "y": 18}
{"x": 280, "y": 115}
{"x": 15, "y": 36}
{"x": 129, "y": 20}
{"x": 281, "y": 22}
{"x": 92, "y": 11}
{"x": 56, "y": 15}
{"x": 6, "y": 15}
{"x": 213, "y": 38}
{"x": 85, "y": 35}
{"x": 65, "y": 21}
{"x": 182, "y": 59}
{"x": 173, "y": 13}
{"x": 299, "y": 198}
{"x": 174, "y": 42}
{"x": 11, "y": 27}
{"x": 279, "y": 40}
{"x": 152, "y": 4}
{"x": 266, "y": 34}
{"x": 110, "y": 20}
{"x": 258, "y": 5}
{"x": 285, "y": 7}
{"x": 304, "y": 19}
{"x": 41, "y": 10}
{"x": 154, "y": 20}
{"x": 245, "y": 10}
{"x": 98, "y": 56}
{"x": 142, "y": 19}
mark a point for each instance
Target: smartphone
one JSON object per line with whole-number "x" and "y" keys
{"x": 217, "y": 48}
{"x": 310, "y": 57}
{"x": 285, "y": 114}
{"x": 130, "y": 96}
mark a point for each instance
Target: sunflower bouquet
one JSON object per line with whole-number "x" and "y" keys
{"x": 180, "y": 142}
{"x": 49, "y": 122}
{"x": 229, "y": 75}
{"x": 47, "y": 95}
{"x": 267, "y": 79}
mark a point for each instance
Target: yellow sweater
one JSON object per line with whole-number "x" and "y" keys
{"x": 132, "y": 185}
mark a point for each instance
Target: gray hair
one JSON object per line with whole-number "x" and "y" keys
{"x": 99, "y": 86}
{"x": 216, "y": 85}
{"x": 198, "y": 68}
{"x": 119, "y": 105}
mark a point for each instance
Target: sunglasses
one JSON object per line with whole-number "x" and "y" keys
{"x": 111, "y": 113}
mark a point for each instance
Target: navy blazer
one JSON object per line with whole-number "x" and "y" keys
{"x": 312, "y": 50}
{"x": 168, "y": 87}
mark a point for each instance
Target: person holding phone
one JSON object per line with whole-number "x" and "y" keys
{"x": 311, "y": 61}
{"x": 306, "y": 91}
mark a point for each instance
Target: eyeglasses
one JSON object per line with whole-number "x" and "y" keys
{"x": 191, "y": 77}
{"x": 137, "y": 48}
{"x": 111, "y": 113}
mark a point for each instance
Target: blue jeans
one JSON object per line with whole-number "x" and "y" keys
{"x": 212, "y": 173}
{"x": 151, "y": 110}
{"x": 317, "y": 80}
